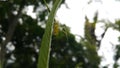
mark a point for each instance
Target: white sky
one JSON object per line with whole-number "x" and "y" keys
{"x": 74, "y": 18}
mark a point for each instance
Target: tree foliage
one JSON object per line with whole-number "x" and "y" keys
{"x": 116, "y": 26}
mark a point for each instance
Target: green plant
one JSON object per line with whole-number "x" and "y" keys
{"x": 44, "y": 52}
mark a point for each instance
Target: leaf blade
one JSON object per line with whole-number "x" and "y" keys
{"x": 44, "y": 52}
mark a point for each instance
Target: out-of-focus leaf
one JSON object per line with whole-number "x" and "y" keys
{"x": 46, "y": 41}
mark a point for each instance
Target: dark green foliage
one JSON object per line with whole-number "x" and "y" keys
{"x": 63, "y": 51}
{"x": 26, "y": 40}
{"x": 117, "y": 54}
{"x": 90, "y": 30}
{"x": 116, "y": 57}
{"x": 117, "y": 23}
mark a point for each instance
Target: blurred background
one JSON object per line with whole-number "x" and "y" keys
{"x": 87, "y": 33}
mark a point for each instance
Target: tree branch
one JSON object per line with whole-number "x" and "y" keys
{"x": 103, "y": 35}
{"x": 10, "y": 32}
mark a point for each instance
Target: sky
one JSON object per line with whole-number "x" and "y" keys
{"x": 73, "y": 16}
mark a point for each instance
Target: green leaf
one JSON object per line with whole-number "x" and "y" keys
{"x": 44, "y": 52}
